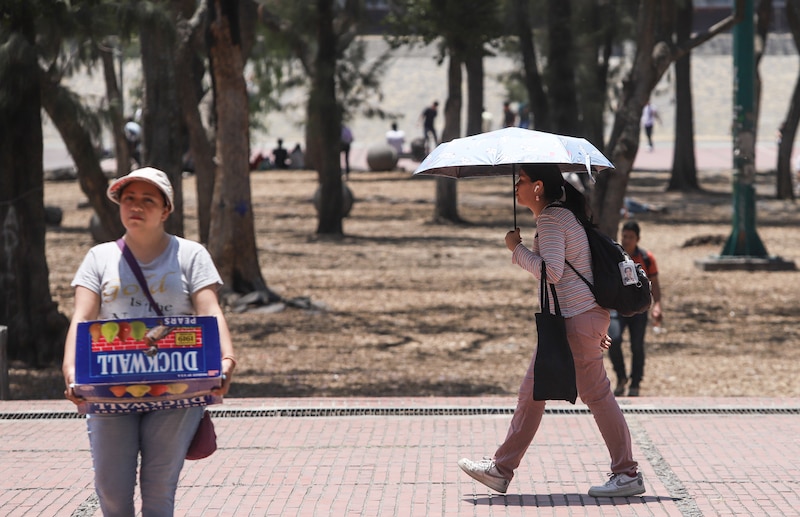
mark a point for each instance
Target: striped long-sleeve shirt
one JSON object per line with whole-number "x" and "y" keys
{"x": 559, "y": 237}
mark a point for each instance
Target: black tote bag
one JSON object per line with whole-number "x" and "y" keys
{"x": 553, "y": 367}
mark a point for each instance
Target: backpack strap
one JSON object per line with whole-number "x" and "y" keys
{"x": 645, "y": 257}
{"x": 591, "y": 287}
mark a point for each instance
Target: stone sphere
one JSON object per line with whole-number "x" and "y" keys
{"x": 347, "y": 199}
{"x": 99, "y": 233}
{"x": 382, "y": 157}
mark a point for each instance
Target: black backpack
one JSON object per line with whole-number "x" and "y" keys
{"x": 609, "y": 265}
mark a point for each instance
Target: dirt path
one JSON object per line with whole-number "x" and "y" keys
{"x": 405, "y": 307}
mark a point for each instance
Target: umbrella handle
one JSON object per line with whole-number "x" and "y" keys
{"x": 514, "y": 192}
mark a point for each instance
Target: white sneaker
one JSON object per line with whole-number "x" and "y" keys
{"x": 619, "y": 485}
{"x": 486, "y": 472}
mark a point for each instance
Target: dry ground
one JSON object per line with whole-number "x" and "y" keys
{"x": 403, "y": 307}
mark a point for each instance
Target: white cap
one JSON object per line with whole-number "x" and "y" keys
{"x": 150, "y": 175}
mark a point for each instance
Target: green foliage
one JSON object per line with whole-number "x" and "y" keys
{"x": 461, "y": 26}
{"x": 283, "y": 59}
{"x": 272, "y": 71}
{"x": 358, "y": 82}
{"x": 617, "y": 27}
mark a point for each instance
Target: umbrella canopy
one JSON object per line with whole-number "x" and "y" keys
{"x": 498, "y": 153}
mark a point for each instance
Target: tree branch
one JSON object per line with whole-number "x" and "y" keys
{"x": 719, "y": 27}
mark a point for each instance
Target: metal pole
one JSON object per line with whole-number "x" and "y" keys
{"x": 744, "y": 240}
{"x": 5, "y": 392}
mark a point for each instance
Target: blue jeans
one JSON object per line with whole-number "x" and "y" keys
{"x": 637, "y": 326}
{"x": 162, "y": 437}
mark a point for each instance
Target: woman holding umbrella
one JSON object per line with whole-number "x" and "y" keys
{"x": 561, "y": 215}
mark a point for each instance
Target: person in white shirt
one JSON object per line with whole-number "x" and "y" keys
{"x": 396, "y": 138}
{"x": 649, "y": 116}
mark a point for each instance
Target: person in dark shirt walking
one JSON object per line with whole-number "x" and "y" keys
{"x": 428, "y": 117}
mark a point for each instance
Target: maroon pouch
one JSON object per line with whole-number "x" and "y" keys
{"x": 204, "y": 442}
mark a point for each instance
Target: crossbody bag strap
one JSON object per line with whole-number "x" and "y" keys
{"x": 137, "y": 272}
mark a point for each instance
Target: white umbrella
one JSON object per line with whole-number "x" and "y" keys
{"x": 500, "y": 152}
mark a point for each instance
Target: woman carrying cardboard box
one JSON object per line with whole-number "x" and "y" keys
{"x": 183, "y": 280}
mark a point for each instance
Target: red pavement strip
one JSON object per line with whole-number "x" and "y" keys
{"x": 397, "y": 457}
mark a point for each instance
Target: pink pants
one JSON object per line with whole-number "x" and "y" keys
{"x": 584, "y": 332}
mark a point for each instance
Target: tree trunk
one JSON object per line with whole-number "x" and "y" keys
{"x": 537, "y": 100}
{"x": 232, "y": 241}
{"x": 784, "y": 188}
{"x": 189, "y": 71}
{"x": 325, "y": 125}
{"x": 598, "y": 24}
{"x": 763, "y": 20}
{"x": 561, "y": 69}
{"x": 163, "y": 131}
{"x": 64, "y": 110}
{"x": 115, "y": 107}
{"x": 474, "y": 66}
{"x": 653, "y": 57}
{"x": 36, "y": 329}
{"x": 446, "y": 192}
{"x": 684, "y": 166}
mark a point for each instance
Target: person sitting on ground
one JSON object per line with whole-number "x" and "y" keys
{"x": 296, "y": 158}
{"x": 279, "y": 155}
{"x": 259, "y": 161}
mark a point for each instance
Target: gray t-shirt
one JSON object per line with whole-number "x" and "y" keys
{"x": 184, "y": 268}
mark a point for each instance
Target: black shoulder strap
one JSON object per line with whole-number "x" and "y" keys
{"x": 591, "y": 287}
{"x": 645, "y": 257}
{"x": 137, "y": 272}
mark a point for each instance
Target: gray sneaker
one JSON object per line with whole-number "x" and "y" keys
{"x": 619, "y": 485}
{"x": 486, "y": 472}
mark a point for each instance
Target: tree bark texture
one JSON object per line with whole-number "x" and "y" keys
{"x": 64, "y": 109}
{"x": 595, "y": 33}
{"x": 232, "y": 242}
{"x": 763, "y": 19}
{"x": 475, "y": 76}
{"x": 325, "y": 124}
{"x": 537, "y": 100}
{"x": 115, "y": 107}
{"x": 36, "y": 328}
{"x": 654, "y": 53}
{"x": 784, "y": 187}
{"x": 446, "y": 209}
{"x": 561, "y": 69}
{"x": 684, "y": 165}
{"x": 163, "y": 141}
{"x": 189, "y": 70}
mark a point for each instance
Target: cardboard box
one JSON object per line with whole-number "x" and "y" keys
{"x": 114, "y": 373}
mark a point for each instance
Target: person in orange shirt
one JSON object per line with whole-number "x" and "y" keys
{"x": 637, "y": 324}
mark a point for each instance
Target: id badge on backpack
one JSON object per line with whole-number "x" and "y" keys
{"x": 627, "y": 269}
